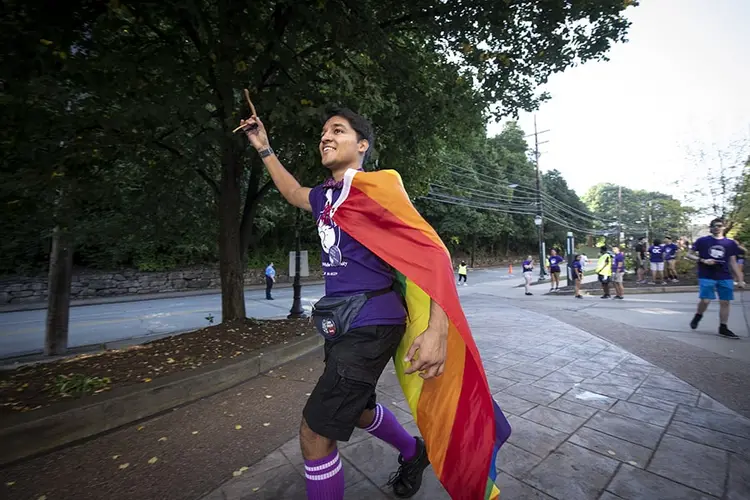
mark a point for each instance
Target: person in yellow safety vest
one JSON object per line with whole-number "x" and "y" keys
{"x": 604, "y": 270}
{"x": 462, "y": 270}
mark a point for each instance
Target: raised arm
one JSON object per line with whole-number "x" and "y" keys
{"x": 287, "y": 185}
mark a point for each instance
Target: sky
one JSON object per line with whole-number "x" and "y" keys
{"x": 681, "y": 83}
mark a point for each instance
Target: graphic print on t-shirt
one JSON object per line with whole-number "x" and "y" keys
{"x": 330, "y": 236}
{"x": 717, "y": 252}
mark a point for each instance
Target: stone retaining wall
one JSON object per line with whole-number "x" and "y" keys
{"x": 16, "y": 290}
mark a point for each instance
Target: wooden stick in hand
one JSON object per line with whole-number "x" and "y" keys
{"x": 252, "y": 110}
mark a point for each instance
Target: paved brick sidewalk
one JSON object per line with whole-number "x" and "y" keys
{"x": 590, "y": 421}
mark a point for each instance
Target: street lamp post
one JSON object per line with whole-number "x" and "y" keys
{"x": 297, "y": 311}
{"x": 538, "y": 221}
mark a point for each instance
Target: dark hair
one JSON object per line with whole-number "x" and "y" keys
{"x": 603, "y": 249}
{"x": 718, "y": 219}
{"x": 667, "y": 237}
{"x": 657, "y": 241}
{"x": 359, "y": 123}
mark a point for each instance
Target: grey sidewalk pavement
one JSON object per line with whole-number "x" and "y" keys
{"x": 589, "y": 419}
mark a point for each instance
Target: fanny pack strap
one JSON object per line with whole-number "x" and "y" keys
{"x": 375, "y": 293}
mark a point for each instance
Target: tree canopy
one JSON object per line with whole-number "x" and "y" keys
{"x": 117, "y": 117}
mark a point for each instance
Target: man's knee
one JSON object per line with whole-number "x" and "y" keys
{"x": 313, "y": 445}
{"x": 365, "y": 420}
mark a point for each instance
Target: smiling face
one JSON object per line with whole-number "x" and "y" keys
{"x": 340, "y": 146}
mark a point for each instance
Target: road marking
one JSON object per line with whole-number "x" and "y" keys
{"x": 629, "y": 299}
{"x": 655, "y": 310}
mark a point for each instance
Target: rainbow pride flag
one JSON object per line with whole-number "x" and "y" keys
{"x": 462, "y": 425}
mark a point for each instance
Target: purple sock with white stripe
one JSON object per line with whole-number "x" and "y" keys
{"x": 385, "y": 426}
{"x": 325, "y": 478}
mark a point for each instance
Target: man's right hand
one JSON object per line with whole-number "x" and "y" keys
{"x": 256, "y": 132}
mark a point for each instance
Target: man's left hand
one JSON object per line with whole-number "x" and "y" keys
{"x": 427, "y": 354}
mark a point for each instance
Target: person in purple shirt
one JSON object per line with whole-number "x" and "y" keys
{"x": 554, "y": 270}
{"x": 717, "y": 261}
{"x": 618, "y": 273}
{"x": 656, "y": 257}
{"x": 344, "y": 396}
{"x": 670, "y": 259}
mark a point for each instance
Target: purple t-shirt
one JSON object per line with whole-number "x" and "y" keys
{"x": 719, "y": 250}
{"x": 656, "y": 253}
{"x": 577, "y": 268}
{"x": 554, "y": 262}
{"x": 618, "y": 264}
{"x": 527, "y": 267}
{"x": 670, "y": 251}
{"x": 349, "y": 268}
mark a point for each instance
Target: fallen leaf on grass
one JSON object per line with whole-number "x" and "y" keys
{"x": 266, "y": 424}
{"x": 115, "y": 457}
{"x": 255, "y": 489}
{"x": 153, "y": 460}
{"x": 124, "y": 466}
{"x": 10, "y": 483}
{"x": 243, "y": 469}
{"x": 195, "y": 432}
{"x": 236, "y": 473}
{"x": 161, "y": 439}
{"x": 140, "y": 428}
{"x": 238, "y": 427}
{"x": 147, "y": 380}
{"x": 170, "y": 360}
{"x": 268, "y": 396}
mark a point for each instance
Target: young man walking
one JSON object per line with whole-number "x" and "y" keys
{"x": 360, "y": 289}
{"x": 618, "y": 273}
{"x": 717, "y": 261}
{"x": 270, "y": 280}
{"x": 604, "y": 270}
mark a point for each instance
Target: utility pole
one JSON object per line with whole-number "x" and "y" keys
{"x": 619, "y": 215}
{"x": 539, "y": 207}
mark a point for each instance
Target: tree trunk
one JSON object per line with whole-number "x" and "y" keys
{"x": 230, "y": 252}
{"x": 58, "y": 293}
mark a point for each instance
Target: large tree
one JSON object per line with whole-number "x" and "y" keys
{"x": 165, "y": 78}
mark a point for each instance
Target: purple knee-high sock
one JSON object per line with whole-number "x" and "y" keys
{"x": 385, "y": 426}
{"x": 325, "y": 478}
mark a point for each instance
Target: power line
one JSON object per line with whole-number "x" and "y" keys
{"x": 530, "y": 190}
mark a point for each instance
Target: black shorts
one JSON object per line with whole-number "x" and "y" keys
{"x": 347, "y": 387}
{"x": 604, "y": 279}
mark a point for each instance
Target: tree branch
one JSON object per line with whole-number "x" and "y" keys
{"x": 202, "y": 173}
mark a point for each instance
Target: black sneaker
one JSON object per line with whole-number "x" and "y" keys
{"x": 579, "y": 297}
{"x": 695, "y": 321}
{"x": 604, "y": 297}
{"x": 618, "y": 297}
{"x": 407, "y": 480}
{"x": 727, "y": 333}
{"x": 529, "y": 293}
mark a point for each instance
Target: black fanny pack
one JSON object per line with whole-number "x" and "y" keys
{"x": 333, "y": 316}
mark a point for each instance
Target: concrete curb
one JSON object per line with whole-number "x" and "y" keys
{"x": 64, "y": 424}
{"x": 636, "y": 291}
{"x": 33, "y": 306}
